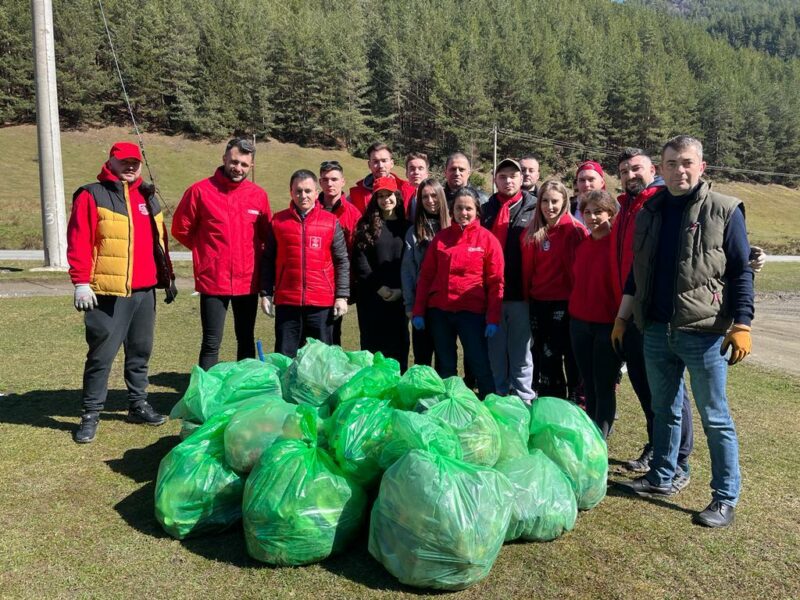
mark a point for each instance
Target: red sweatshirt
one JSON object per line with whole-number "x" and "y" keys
{"x": 547, "y": 269}
{"x": 462, "y": 270}
{"x": 592, "y": 298}
{"x": 84, "y": 243}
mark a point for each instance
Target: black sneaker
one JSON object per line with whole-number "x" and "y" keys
{"x": 681, "y": 479}
{"x": 144, "y": 413}
{"x": 87, "y": 429}
{"x": 716, "y": 514}
{"x": 641, "y": 486}
{"x": 641, "y": 464}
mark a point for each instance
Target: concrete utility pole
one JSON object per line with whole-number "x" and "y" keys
{"x": 51, "y": 176}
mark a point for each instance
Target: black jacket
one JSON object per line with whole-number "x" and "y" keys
{"x": 518, "y": 220}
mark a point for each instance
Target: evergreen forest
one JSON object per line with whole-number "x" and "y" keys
{"x": 566, "y": 79}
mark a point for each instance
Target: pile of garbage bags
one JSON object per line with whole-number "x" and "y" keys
{"x": 305, "y": 453}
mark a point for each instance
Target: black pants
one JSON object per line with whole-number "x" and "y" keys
{"x": 558, "y": 373}
{"x": 295, "y": 324}
{"x": 599, "y": 366}
{"x": 469, "y": 327}
{"x": 422, "y": 343}
{"x": 115, "y": 322}
{"x": 633, "y": 349}
{"x": 213, "y": 310}
{"x": 383, "y": 327}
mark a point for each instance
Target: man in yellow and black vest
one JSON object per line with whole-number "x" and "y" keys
{"x": 118, "y": 254}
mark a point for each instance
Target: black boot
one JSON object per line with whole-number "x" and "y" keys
{"x": 144, "y": 413}
{"x": 87, "y": 429}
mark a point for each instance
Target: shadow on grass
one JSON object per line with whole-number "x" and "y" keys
{"x": 618, "y": 490}
{"x": 45, "y": 408}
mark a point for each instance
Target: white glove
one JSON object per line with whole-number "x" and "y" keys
{"x": 339, "y": 308}
{"x": 758, "y": 258}
{"x": 267, "y": 306}
{"x": 84, "y": 297}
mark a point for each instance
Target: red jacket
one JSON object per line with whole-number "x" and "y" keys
{"x": 621, "y": 247}
{"x": 106, "y": 236}
{"x": 311, "y": 267}
{"x": 361, "y": 192}
{"x": 592, "y": 298}
{"x": 224, "y": 224}
{"x": 462, "y": 270}
{"x": 348, "y": 216}
{"x": 547, "y": 269}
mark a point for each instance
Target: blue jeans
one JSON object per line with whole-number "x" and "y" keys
{"x": 445, "y": 327}
{"x": 668, "y": 353}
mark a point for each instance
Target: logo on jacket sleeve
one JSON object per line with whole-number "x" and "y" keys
{"x": 315, "y": 242}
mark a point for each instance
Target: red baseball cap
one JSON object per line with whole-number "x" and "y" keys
{"x": 592, "y": 165}
{"x": 125, "y": 150}
{"x": 384, "y": 183}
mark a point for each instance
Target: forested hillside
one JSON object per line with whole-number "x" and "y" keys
{"x": 769, "y": 25}
{"x": 557, "y": 76}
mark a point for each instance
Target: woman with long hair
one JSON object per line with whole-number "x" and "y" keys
{"x": 377, "y": 254}
{"x": 431, "y": 216}
{"x": 460, "y": 291}
{"x": 593, "y": 308}
{"x": 548, "y": 251}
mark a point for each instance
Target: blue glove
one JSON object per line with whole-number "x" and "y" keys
{"x": 418, "y": 323}
{"x": 490, "y": 330}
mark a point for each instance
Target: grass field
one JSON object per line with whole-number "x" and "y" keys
{"x": 178, "y": 161}
{"x": 77, "y": 521}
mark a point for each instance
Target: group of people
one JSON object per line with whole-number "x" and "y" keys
{"x": 548, "y": 292}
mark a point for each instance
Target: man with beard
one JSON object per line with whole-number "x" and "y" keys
{"x": 224, "y": 220}
{"x": 638, "y": 178}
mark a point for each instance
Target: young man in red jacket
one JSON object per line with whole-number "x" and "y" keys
{"x": 381, "y": 163}
{"x": 223, "y": 220}
{"x": 118, "y": 253}
{"x": 333, "y": 199}
{"x": 305, "y": 271}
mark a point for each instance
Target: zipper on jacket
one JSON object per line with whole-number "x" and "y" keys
{"x": 129, "y": 275}
{"x": 302, "y": 260}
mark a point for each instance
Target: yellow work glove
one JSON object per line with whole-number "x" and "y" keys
{"x": 738, "y": 338}
{"x": 617, "y": 333}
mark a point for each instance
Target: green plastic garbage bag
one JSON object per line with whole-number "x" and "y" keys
{"x": 196, "y": 491}
{"x": 544, "y": 503}
{"x": 477, "y": 431}
{"x": 356, "y": 435}
{"x": 249, "y": 378}
{"x": 378, "y": 380}
{"x": 254, "y": 428}
{"x": 360, "y": 358}
{"x": 279, "y": 361}
{"x": 298, "y": 506}
{"x": 439, "y": 522}
{"x": 222, "y": 385}
{"x": 317, "y": 372}
{"x": 566, "y": 434}
{"x": 513, "y": 418}
{"x": 188, "y": 428}
{"x": 419, "y": 382}
{"x": 410, "y": 430}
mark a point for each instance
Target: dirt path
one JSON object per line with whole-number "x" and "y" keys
{"x": 776, "y": 330}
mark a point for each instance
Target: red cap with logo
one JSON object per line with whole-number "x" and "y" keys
{"x": 384, "y": 183}
{"x": 125, "y": 150}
